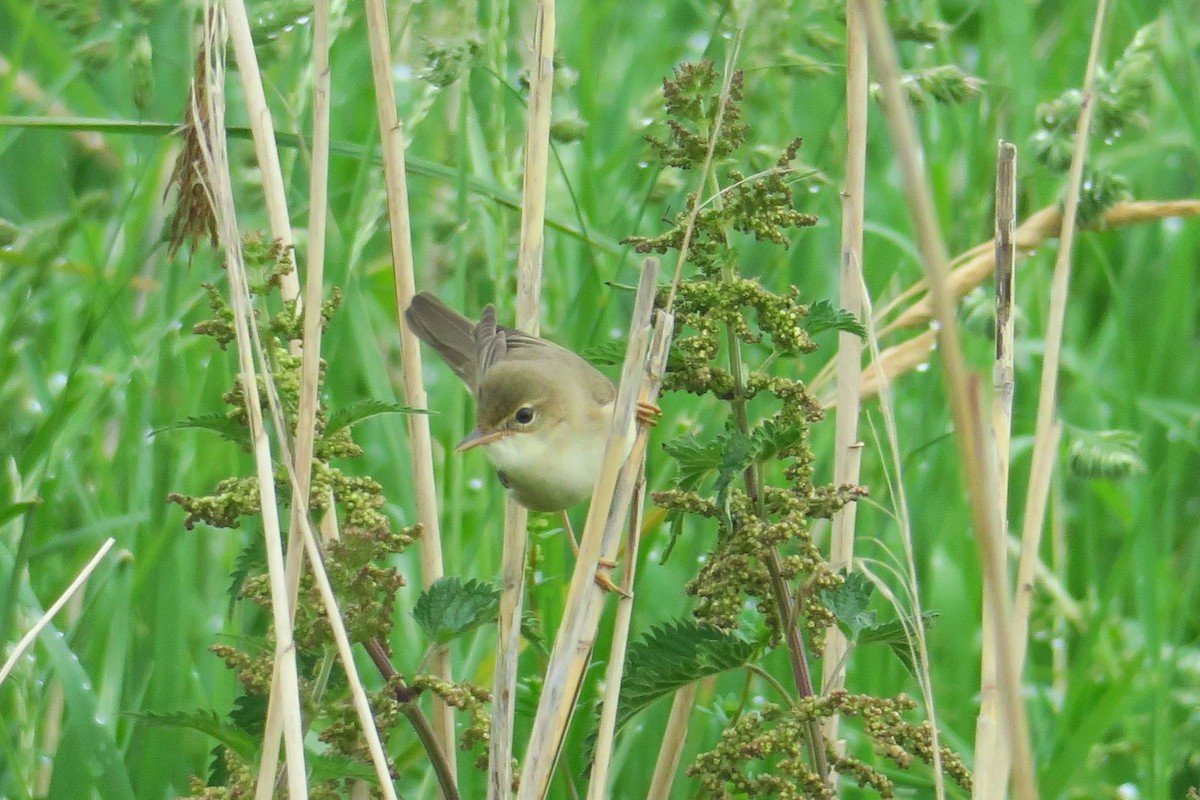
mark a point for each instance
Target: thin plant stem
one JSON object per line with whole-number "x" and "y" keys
{"x": 961, "y": 388}
{"x": 391, "y": 134}
{"x": 847, "y": 447}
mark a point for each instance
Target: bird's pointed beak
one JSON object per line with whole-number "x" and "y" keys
{"x": 478, "y": 438}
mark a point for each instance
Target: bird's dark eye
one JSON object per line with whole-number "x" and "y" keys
{"x": 524, "y": 415}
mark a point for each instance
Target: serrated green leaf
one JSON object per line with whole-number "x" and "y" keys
{"x": 824, "y": 315}
{"x": 694, "y": 459}
{"x": 219, "y": 424}
{"x": 451, "y": 607}
{"x": 365, "y": 409}
{"x": 208, "y": 723}
{"x": 893, "y": 634}
{"x": 251, "y": 560}
{"x": 772, "y": 437}
{"x": 673, "y": 655}
{"x": 849, "y": 604}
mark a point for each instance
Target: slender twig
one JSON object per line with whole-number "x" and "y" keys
{"x": 285, "y": 686}
{"x": 656, "y": 364}
{"x": 671, "y": 749}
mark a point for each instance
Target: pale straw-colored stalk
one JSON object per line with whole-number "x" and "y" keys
{"x": 962, "y": 389}
{"x": 391, "y": 133}
{"x": 1048, "y": 430}
{"x": 674, "y": 735}
{"x": 531, "y": 249}
{"x": 601, "y": 539}
{"x": 847, "y": 447}
{"x": 285, "y": 691}
{"x": 31, "y": 635}
{"x": 990, "y": 745}
{"x": 285, "y": 685}
{"x": 656, "y": 366}
{"x": 974, "y": 267}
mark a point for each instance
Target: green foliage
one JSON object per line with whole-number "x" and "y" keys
{"x": 94, "y": 315}
{"x": 452, "y": 607}
{"x": 673, "y": 655}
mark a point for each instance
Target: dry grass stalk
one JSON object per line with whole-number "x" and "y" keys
{"x": 847, "y": 447}
{"x": 976, "y": 265}
{"x": 671, "y": 749}
{"x": 1048, "y": 429}
{"x": 391, "y": 134}
{"x": 977, "y": 464}
{"x": 656, "y": 365}
{"x": 31, "y": 635}
{"x": 601, "y": 538}
{"x": 285, "y": 687}
{"x": 991, "y": 754}
{"x": 528, "y": 301}
{"x": 283, "y": 717}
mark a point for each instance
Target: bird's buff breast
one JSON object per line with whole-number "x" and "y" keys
{"x": 549, "y": 474}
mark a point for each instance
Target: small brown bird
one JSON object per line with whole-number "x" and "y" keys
{"x": 542, "y": 413}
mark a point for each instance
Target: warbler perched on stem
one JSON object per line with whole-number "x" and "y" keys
{"x": 542, "y": 413}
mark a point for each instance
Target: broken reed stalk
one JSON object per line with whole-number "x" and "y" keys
{"x": 961, "y": 388}
{"x": 531, "y": 249}
{"x": 634, "y": 469}
{"x": 391, "y": 133}
{"x": 975, "y": 266}
{"x": 847, "y": 449}
{"x": 991, "y": 753}
{"x": 601, "y": 538}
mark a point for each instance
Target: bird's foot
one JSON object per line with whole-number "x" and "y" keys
{"x": 605, "y": 582}
{"x": 648, "y": 414}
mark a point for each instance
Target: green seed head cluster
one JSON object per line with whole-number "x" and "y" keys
{"x": 466, "y": 697}
{"x": 762, "y": 753}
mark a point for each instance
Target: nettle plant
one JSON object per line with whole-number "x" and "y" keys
{"x": 358, "y": 562}
{"x": 764, "y": 584}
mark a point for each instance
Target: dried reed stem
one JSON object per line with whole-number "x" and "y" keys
{"x": 283, "y": 716}
{"x": 847, "y": 448}
{"x": 391, "y": 133}
{"x": 975, "y": 266}
{"x": 529, "y": 291}
{"x": 656, "y": 365}
{"x": 978, "y": 467}
{"x": 601, "y": 538}
{"x": 671, "y": 749}
{"x": 991, "y": 751}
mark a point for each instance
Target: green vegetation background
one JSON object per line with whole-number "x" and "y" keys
{"x": 96, "y": 352}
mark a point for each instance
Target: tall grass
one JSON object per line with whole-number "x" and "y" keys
{"x": 97, "y": 354}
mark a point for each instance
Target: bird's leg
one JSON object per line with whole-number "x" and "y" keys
{"x": 602, "y": 579}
